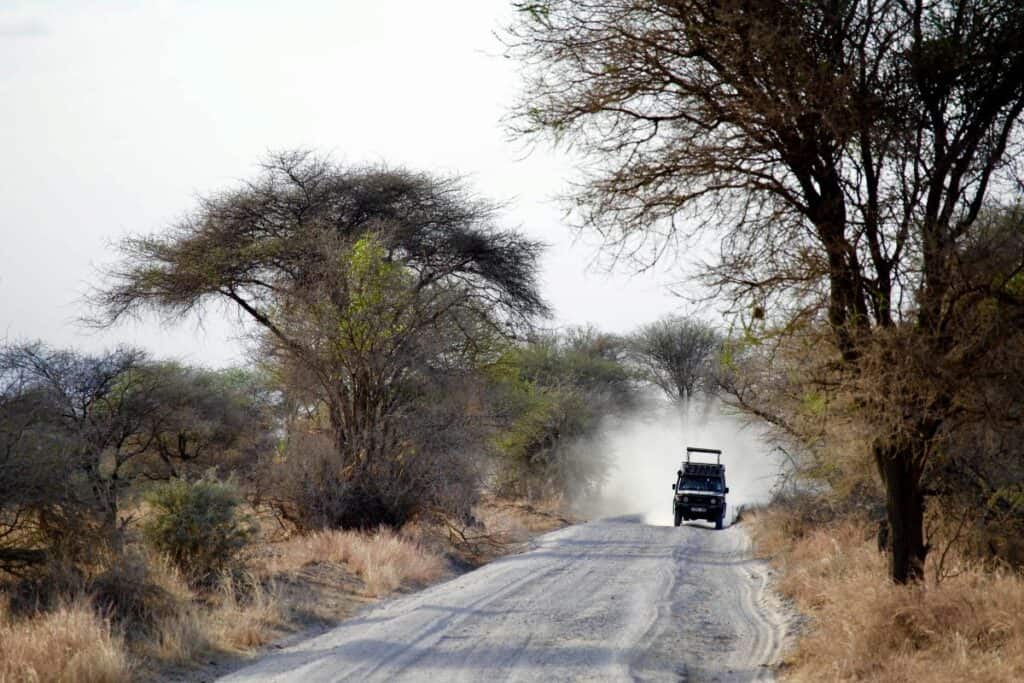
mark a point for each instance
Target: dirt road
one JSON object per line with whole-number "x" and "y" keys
{"x": 605, "y": 601}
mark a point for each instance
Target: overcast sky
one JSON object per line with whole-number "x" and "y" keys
{"x": 115, "y": 115}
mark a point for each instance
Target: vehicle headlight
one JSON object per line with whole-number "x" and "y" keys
{"x": 685, "y": 499}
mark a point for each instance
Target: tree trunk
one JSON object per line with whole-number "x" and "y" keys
{"x": 905, "y": 507}
{"x": 112, "y": 529}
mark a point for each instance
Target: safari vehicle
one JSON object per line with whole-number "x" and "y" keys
{"x": 700, "y": 489}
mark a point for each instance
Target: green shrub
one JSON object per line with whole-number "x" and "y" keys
{"x": 198, "y": 525}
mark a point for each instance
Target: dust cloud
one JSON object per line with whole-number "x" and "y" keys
{"x": 645, "y": 448}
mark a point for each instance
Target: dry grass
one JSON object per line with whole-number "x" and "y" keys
{"x": 504, "y": 527}
{"x": 71, "y": 643}
{"x": 152, "y": 623}
{"x": 520, "y": 520}
{"x": 862, "y": 627}
{"x": 244, "y": 619}
{"x": 230, "y": 625}
{"x": 240, "y": 615}
{"x": 384, "y": 560}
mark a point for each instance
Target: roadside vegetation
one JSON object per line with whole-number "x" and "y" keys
{"x": 143, "y": 535}
{"x": 966, "y": 625}
{"x": 856, "y": 164}
{"x": 404, "y": 417}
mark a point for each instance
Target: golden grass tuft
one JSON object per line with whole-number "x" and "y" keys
{"x": 71, "y": 643}
{"x": 863, "y": 627}
{"x": 383, "y": 559}
{"x": 238, "y": 616}
{"x": 245, "y": 618}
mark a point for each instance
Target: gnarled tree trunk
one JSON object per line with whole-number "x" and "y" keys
{"x": 898, "y": 465}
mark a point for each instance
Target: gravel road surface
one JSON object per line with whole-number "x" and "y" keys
{"x": 610, "y": 600}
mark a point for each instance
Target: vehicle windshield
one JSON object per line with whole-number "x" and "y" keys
{"x": 700, "y": 484}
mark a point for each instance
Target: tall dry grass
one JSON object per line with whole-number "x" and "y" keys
{"x": 383, "y": 559}
{"x": 171, "y": 624}
{"x": 969, "y": 627}
{"x": 241, "y": 614}
{"x": 144, "y": 617}
{"x": 71, "y": 643}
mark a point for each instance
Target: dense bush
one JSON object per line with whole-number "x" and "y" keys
{"x": 553, "y": 393}
{"x": 311, "y": 486}
{"x": 198, "y": 525}
{"x": 78, "y": 432}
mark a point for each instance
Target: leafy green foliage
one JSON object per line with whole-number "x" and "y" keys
{"x": 554, "y": 391}
{"x": 377, "y": 313}
{"x": 198, "y": 526}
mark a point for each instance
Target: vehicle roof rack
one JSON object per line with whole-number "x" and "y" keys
{"x": 714, "y": 451}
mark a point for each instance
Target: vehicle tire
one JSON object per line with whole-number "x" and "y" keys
{"x": 678, "y": 516}
{"x": 718, "y": 522}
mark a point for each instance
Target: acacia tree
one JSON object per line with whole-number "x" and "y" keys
{"x": 841, "y": 150}
{"x": 78, "y": 422}
{"x": 675, "y": 354}
{"x": 367, "y": 284}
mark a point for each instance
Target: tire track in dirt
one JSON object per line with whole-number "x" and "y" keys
{"x": 610, "y": 600}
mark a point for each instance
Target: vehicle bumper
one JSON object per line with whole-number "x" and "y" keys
{"x": 697, "y": 511}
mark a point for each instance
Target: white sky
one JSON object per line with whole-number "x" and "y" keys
{"x": 115, "y": 115}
